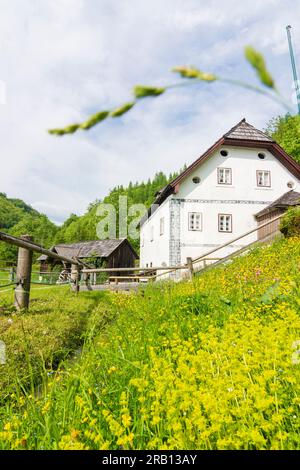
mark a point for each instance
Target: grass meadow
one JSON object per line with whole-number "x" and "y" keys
{"x": 212, "y": 363}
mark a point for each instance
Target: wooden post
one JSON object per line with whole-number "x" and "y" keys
{"x": 189, "y": 263}
{"x": 12, "y": 274}
{"x": 75, "y": 276}
{"x": 87, "y": 281}
{"x": 24, "y": 266}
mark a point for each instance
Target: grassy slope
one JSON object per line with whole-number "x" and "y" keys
{"x": 203, "y": 365}
{"x": 38, "y": 341}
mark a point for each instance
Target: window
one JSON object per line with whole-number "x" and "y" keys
{"x": 162, "y": 226}
{"x": 263, "y": 178}
{"x": 196, "y": 180}
{"x": 224, "y": 153}
{"x": 261, "y": 155}
{"x": 151, "y": 234}
{"x": 290, "y": 184}
{"x": 151, "y": 264}
{"x": 195, "y": 221}
{"x": 224, "y": 176}
{"x": 225, "y": 223}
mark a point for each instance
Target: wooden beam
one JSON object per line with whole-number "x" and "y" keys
{"x": 29, "y": 245}
{"x": 155, "y": 268}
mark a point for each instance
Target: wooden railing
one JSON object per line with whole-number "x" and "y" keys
{"x": 189, "y": 267}
{"x": 27, "y": 247}
{"x": 24, "y": 267}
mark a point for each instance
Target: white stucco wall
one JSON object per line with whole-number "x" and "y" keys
{"x": 156, "y": 251}
{"x": 243, "y": 199}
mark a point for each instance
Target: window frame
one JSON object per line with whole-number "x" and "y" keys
{"x": 151, "y": 233}
{"x": 219, "y": 218}
{"x": 189, "y": 222}
{"x": 220, "y": 168}
{"x": 161, "y": 226}
{"x": 257, "y": 177}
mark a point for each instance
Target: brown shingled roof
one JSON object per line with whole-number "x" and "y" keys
{"x": 244, "y": 130}
{"x": 289, "y": 199}
{"x": 81, "y": 250}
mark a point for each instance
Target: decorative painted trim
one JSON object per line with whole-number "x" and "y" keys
{"x": 222, "y": 201}
{"x": 174, "y": 241}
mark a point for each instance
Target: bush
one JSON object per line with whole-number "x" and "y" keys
{"x": 290, "y": 223}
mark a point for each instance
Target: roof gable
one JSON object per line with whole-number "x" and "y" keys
{"x": 244, "y": 130}
{"x": 242, "y": 134}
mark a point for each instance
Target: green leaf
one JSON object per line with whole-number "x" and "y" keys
{"x": 122, "y": 110}
{"x": 71, "y": 129}
{"x": 93, "y": 120}
{"x": 143, "y": 91}
{"x": 192, "y": 72}
{"x": 57, "y": 131}
{"x": 271, "y": 293}
{"x": 257, "y": 61}
{"x": 225, "y": 300}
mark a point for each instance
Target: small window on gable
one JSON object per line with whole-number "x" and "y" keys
{"x": 225, "y": 223}
{"x": 224, "y": 176}
{"x": 195, "y": 221}
{"x": 162, "y": 226}
{"x": 261, "y": 155}
{"x": 263, "y": 178}
{"x": 196, "y": 180}
{"x": 224, "y": 153}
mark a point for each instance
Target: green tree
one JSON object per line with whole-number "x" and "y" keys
{"x": 286, "y": 131}
{"x": 81, "y": 228}
{"x": 38, "y": 226}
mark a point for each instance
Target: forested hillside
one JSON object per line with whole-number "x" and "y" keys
{"x": 18, "y": 218}
{"x": 77, "y": 228}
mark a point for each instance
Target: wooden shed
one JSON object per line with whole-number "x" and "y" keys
{"x": 289, "y": 199}
{"x": 112, "y": 253}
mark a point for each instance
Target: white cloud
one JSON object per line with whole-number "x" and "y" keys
{"x": 63, "y": 59}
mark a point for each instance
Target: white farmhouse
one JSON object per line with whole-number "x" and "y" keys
{"x": 217, "y": 198}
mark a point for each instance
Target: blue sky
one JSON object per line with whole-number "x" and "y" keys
{"x": 63, "y": 59}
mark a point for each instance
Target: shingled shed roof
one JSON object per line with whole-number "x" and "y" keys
{"x": 98, "y": 248}
{"x": 289, "y": 199}
{"x": 244, "y": 130}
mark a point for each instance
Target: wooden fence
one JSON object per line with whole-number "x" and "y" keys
{"x": 23, "y": 273}
{"x": 21, "y": 278}
{"x": 189, "y": 267}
